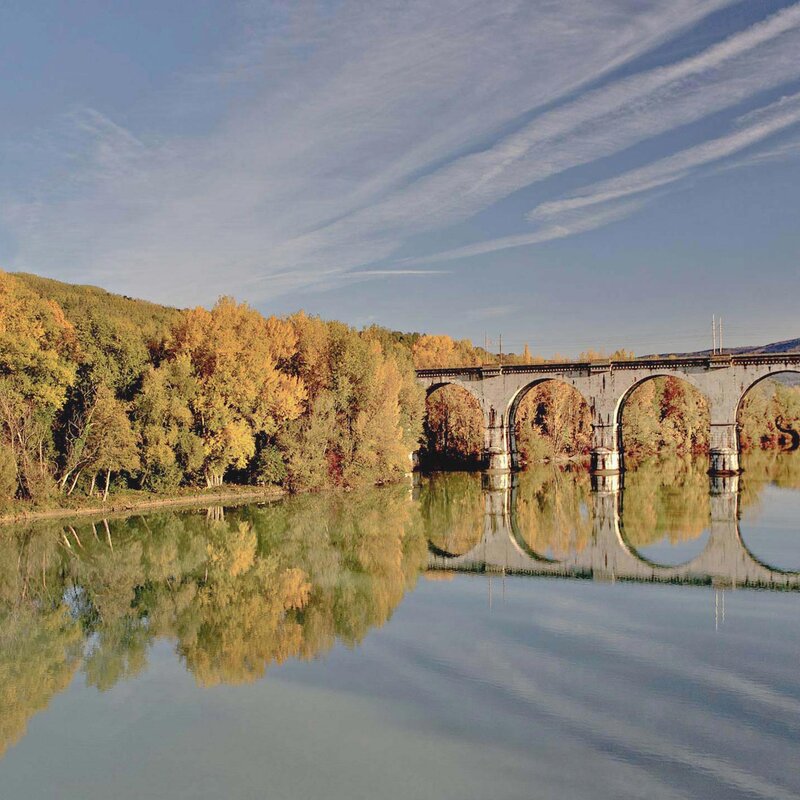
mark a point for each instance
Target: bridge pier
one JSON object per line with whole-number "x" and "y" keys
{"x": 605, "y": 456}
{"x": 723, "y": 449}
{"x": 497, "y": 447}
{"x": 606, "y": 482}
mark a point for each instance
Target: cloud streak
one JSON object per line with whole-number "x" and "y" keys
{"x": 610, "y": 201}
{"x": 348, "y": 134}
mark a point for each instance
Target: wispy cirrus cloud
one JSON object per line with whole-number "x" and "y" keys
{"x": 337, "y": 136}
{"x": 609, "y": 201}
{"x": 567, "y": 224}
{"x": 767, "y": 122}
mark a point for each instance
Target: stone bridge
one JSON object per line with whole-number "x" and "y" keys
{"x": 722, "y": 379}
{"x": 725, "y": 561}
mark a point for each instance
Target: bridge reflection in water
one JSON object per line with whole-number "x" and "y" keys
{"x": 501, "y": 544}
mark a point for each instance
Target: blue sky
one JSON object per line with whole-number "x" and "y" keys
{"x": 570, "y": 174}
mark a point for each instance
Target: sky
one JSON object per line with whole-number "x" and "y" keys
{"x": 569, "y": 174}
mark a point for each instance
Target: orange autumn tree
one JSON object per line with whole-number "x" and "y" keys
{"x": 444, "y": 351}
{"x": 242, "y": 391}
{"x": 453, "y": 429}
{"x": 364, "y": 409}
{"x": 552, "y": 422}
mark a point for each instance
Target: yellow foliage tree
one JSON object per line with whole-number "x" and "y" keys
{"x": 235, "y": 354}
{"x": 37, "y": 352}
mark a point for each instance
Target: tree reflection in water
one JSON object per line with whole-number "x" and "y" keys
{"x": 250, "y": 587}
{"x": 553, "y": 510}
{"x": 666, "y": 499}
{"x": 452, "y": 510}
{"x": 238, "y": 594}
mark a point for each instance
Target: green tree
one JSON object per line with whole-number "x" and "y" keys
{"x": 112, "y": 440}
{"x": 170, "y": 451}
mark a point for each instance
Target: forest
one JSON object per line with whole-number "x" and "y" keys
{"x": 101, "y": 393}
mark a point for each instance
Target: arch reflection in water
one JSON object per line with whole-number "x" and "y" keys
{"x": 596, "y": 545}
{"x": 769, "y": 515}
{"x": 665, "y": 515}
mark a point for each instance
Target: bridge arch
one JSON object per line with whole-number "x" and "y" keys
{"x": 552, "y": 511}
{"x": 758, "y": 560}
{"x": 517, "y": 399}
{"x": 636, "y": 551}
{"x": 747, "y": 394}
{"x": 765, "y": 376}
{"x": 453, "y": 428}
{"x": 452, "y": 512}
{"x": 697, "y": 387}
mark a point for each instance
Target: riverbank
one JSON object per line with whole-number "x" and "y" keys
{"x": 128, "y": 502}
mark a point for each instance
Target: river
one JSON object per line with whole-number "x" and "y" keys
{"x": 453, "y": 637}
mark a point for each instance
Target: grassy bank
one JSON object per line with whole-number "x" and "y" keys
{"x": 135, "y": 500}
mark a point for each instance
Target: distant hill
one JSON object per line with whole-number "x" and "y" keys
{"x": 152, "y": 319}
{"x": 118, "y": 336}
{"x": 786, "y": 346}
{"x": 82, "y": 303}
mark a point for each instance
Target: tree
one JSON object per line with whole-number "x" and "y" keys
{"x": 552, "y": 421}
{"x": 170, "y": 451}
{"x": 527, "y": 358}
{"x": 241, "y": 390}
{"x": 38, "y": 349}
{"x": 443, "y": 351}
{"x": 453, "y": 432}
{"x": 665, "y": 414}
{"x": 112, "y": 440}
{"x": 8, "y": 474}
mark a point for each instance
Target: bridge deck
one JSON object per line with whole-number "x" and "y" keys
{"x": 708, "y": 362}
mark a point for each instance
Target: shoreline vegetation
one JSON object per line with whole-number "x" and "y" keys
{"x": 133, "y": 501}
{"x": 101, "y": 393}
{"x": 107, "y": 402}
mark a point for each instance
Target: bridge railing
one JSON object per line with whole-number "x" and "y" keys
{"x": 672, "y": 362}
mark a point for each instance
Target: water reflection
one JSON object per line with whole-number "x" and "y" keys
{"x": 665, "y": 522}
{"x": 769, "y": 516}
{"x": 234, "y": 591}
{"x": 452, "y": 510}
{"x": 552, "y": 511}
{"x": 666, "y": 511}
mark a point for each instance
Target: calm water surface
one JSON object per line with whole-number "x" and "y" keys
{"x": 458, "y": 639}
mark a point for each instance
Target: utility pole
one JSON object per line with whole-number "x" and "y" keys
{"x": 501, "y": 349}
{"x": 713, "y": 334}
{"x": 720, "y": 334}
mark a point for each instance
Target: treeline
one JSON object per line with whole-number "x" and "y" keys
{"x": 97, "y": 390}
